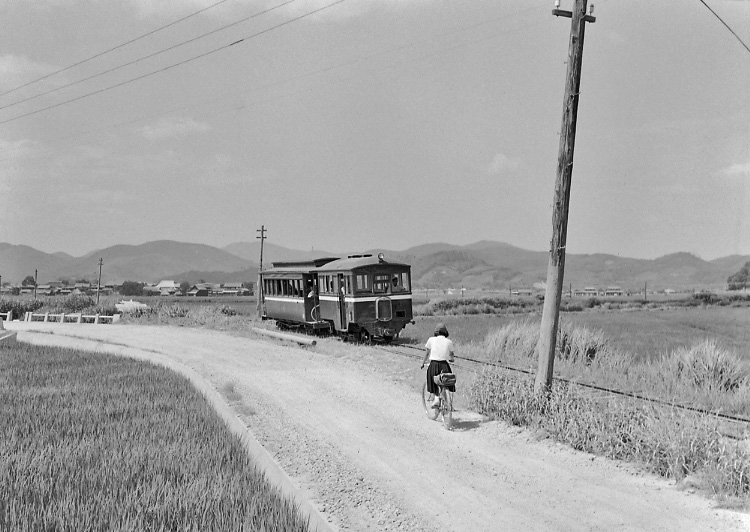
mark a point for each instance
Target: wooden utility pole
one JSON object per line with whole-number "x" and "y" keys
{"x": 259, "y": 295}
{"x": 36, "y": 274}
{"x": 99, "y": 283}
{"x": 556, "y": 267}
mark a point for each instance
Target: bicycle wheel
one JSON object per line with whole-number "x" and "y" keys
{"x": 446, "y": 408}
{"x": 432, "y": 413}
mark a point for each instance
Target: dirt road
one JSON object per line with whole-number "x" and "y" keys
{"x": 346, "y": 424}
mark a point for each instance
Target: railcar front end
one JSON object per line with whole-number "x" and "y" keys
{"x": 366, "y": 297}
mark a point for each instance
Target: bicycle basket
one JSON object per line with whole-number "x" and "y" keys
{"x": 445, "y": 379}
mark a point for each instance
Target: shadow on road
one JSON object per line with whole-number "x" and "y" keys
{"x": 463, "y": 425}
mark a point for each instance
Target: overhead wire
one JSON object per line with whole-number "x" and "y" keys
{"x": 100, "y": 54}
{"x": 154, "y": 54}
{"x": 168, "y": 67}
{"x": 715, "y": 14}
{"x": 336, "y": 67}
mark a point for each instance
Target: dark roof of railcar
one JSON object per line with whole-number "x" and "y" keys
{"x": 356, "y": 261}
{"x": 303, "y": 264}
{"x": 299, "y": 266}
{"x": 330, "y": 264}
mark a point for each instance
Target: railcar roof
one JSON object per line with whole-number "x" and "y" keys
{"x": 357, "y": 261}
{"x": 299, "y": 266}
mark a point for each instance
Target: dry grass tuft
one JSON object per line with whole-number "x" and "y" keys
{"x": 667, "y": 441}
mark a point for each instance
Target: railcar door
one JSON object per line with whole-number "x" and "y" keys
{"x": 342, "y": 302}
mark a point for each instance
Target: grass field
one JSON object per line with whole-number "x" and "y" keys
{"x": 645, "y": 334}
{"x": 97, "y": 442}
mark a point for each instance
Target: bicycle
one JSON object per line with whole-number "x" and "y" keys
{"x": 445, "y": 407}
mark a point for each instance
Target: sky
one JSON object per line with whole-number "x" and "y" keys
{"x": 360, "y": 124}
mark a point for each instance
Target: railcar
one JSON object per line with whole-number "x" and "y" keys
{"x": 358, "y": 297}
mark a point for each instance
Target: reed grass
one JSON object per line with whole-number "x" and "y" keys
{"x": 96, "y": 442}
{"x": 706, "y": 375}
{"x": 668, "y": 441}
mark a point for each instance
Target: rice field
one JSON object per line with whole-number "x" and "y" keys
{"x": 96, "y": 442}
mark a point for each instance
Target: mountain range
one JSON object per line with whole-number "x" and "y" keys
{"x": 485, "y": 265}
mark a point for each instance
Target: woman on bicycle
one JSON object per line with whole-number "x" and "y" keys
{"x": 439, "y": 353}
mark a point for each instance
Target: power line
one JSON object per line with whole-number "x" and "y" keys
{"x": 148, "y": 56}
{"x": 725, "y": 25}
{"x": 331, "y": 68}
{"x": 126, "y": 82}
{"x": 113, "y": 48}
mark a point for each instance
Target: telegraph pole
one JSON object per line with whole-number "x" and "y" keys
{"x": 556, "y": 266}
{"x": 36, "y": 273}
{"x": 262, "y": 237}
{"x": 99, "y": 284}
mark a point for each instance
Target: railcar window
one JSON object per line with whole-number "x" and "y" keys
{"x": 380, "y": 283}
{"x": 400, "y": 282}
{"x": 362, "y": 283}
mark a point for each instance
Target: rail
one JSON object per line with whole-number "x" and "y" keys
{"x": 7, "y": 316}
{"x": 283, "y": 336}
{"x": 77, "y": 317}
{"x": 610, "y": 391}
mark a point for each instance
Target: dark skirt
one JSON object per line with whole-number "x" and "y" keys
{"x": 437, "y": 367}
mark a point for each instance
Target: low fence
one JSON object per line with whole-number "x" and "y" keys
{"x": 6, "y": 316}
{"x": 71, "y": 318}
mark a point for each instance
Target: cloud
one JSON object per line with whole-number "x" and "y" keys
{"x": 10, "y": 149}
{"x": 235, "y": 8}
{"x": 737, "y": 170}
{"x": 502, "y": 164}
{"x": 16, "y": 70}
{"x": 173, "y": 127}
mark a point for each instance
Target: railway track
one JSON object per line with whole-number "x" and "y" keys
{"x": 731, "y": 425}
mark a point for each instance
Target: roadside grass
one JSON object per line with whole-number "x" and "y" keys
{"x": 668, "y": 441}
{"x": 96, "y": 442}
{"x": 705, "y": 375}
{"x": 664, "y": 440}
{"x": 220, "y": 316}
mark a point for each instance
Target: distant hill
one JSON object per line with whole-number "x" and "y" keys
{"x": 500, "y": 266}
{"x": 17, "y": 262}
{"x": 149, "y": 262}
{"x": 250, "y": 251}
{"x": 483, "y": 265}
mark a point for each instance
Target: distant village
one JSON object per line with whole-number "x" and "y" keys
{"x": 175, "y": 289}
{"x": 163, "y": 288}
